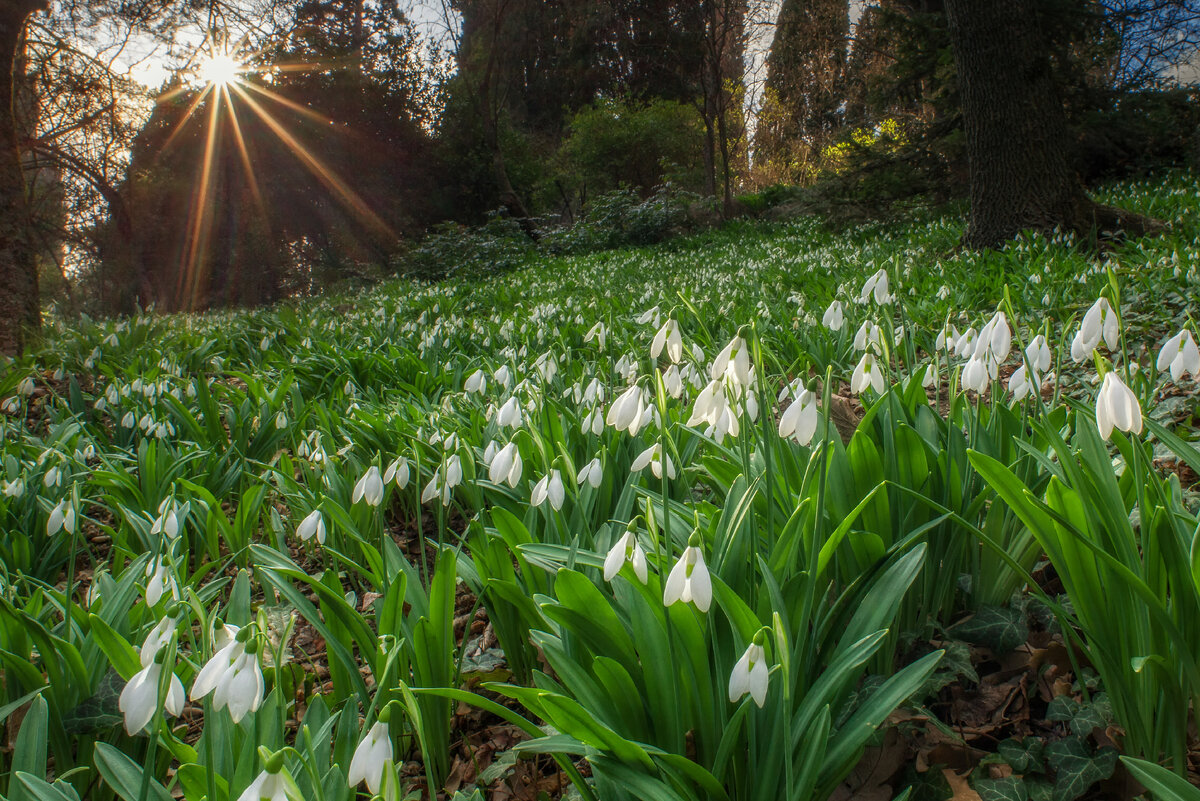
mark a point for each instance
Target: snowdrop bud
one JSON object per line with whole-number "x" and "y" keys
{"x": 626, "y": 411}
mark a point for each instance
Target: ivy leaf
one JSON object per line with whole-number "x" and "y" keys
{"x": 1083, "y": 718}
{"x": 101, "y": 711}
{"x": 998, "y": 628}
{"x": 1076, "y": 768}
{"x": 1023, "y": 756}
{"x": 1010, "y": 788}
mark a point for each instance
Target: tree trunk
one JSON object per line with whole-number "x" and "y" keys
{"x": 19, "y": 302}
{"x": 1018, "y": 141}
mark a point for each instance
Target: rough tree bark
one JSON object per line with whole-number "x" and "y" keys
{"x": 1018, "y": 141}
{"x": 19, "y": 305}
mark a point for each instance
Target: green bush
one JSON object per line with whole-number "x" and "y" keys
{"x": 621, "y": 219}
{"x": 456, "y": 250}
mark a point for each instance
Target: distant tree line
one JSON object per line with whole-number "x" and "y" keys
{"x": 352, "y": 132}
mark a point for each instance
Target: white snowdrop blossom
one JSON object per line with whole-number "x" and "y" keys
{"x": 369, "y": 488}
{"x": 1100, "y": 322}
{"x": 1037, "y": 353}
{"x": 506, "y": 466}
{"x": 669, "y": 337}
{"x": 159, "y": 582}
{"x": 597, "y": 332}
{"x": 799, "y": 420}
{"x": 1019, "y": 383}
{"x": 877, "y": 287}
{"x": 733, "y": 362}
{"x": 626, "y": 549}
{"x": 626, "y": 412}
{"x": 689, "y": 581}
{"x": 975, "y": 376}
{"x": 750, "y": 676}
{"x": 653, "y": 458}
{"x": 867, "y": 336}
{"x": 509, "y": 415}
{"x": 371, "y": 757}
{"x": 1180, "y": 355}
{"x": 550, "y": 487}
{"x": 139, "y": 698}
{"x": 867, "y": 374}
{"x": 62, "y": 518}
{"x": 592, "y": 473}
{"x": 397, "y": 471}
{"x": 313, "y": 525}
{"x": 1117, "y": 407}
{"x": 834, "y": 317}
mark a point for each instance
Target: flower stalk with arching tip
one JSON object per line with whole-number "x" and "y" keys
{"x": 549, "y": 488}
{"x": 625, "y": 550}
{"x": 867, "y": 374}
{"x": 397, "y": 471}
{"x": 626, "y": 412}
{"x": 750, "y": 674}
{"x": 369, "y": 488}
{"x": 834, "y": 317}
{"x": 689, "y": 580}
{"x": 799, "y": 420}
{"x": 506, "y": 466}
{"x": 313, "y": 525}
{"x": 1117, "y": 407}
{"x": 373, "y": 755}
{"x": 669, "y": 337}
{"x": 1180, "y": 355}
{"x": 653, "y": 458}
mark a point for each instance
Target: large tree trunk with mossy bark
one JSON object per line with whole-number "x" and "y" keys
{"x": 1019, "y": 146}
{"x": 19, "y": 303}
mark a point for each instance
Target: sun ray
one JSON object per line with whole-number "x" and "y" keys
{"x": 242, "y": 149}
{"x": 314, "y": 165}
{"x": 312, "y": 114}
{"x": 201, "y": 220}
{"x": 187, "y": 115}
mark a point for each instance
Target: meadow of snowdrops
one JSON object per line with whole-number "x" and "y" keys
{"x": 585, "y": 529}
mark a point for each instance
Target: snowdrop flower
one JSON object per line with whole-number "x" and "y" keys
{"x": 1181, "y": 355}
{"x": 369, "y": 488}
{"x": 1019, "y": 383}
{"x": 549, "y": 488}
{"x": 312, "y": 525}
{"x": 62, "y": 518}
{"x": 975, "y": 375}
{"x": 139, "y": 699}
{"x": 503, "y": 376}
{"x": 1117, "y": 407}
{"x": 14, "y": 488}
{"x": 506, "y": 466}
{"x": 750, "y": 675}
{"x": 166, "y": 523}
{"x": 397, "y": 471}
{"x": 1100, "y": 322}
{"x": 733, "y": 362}
{"x": 476, "y": 383}
{"x": 877, "y": 286}
{"x": 673, "y": 381}
{"x": 270, "y": 785}
{"x": 593, "y": 422}
{"x": 11, "y": 405}
{"x": 689, "y": 580}
{"x": 281, "y": 421}
{"x": 592, "y": 473}
{"x": 965, "y": 344}
{"x": 159, "y": 582}
{"x": 834, "y": 317}
{"x": 372, "y": 756}
{"x": 654, "y": 459}
{"x": 995, "y": 340}
{"x": 669, "y": 337}
{"x": 867, "y": 374}
{"x": 1038, "y": 354}
{"x": 867, "y": 335}
{"x": 53, "y": 477}
{"x": 799, "y": 420}
{"x": 25, "y": 387}
{"x": 626, "y": 411}
{"x": 509, "y": 415}
{"x": 625, "y": 550}
{"x": 597, "y": 332}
